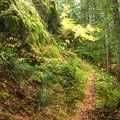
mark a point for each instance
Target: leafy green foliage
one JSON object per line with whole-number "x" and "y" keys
{"x": 69, "y": 77}
{"x": 43, "y": 97}
{"x": 77, "y": 30}
{"x": 52, "y": 51}
{"x": 63, "y": 79}
{"x": 5, "y": 95}
{"x": 107, "y": 91}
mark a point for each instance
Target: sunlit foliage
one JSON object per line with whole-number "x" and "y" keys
{"x": 78, "y": 31}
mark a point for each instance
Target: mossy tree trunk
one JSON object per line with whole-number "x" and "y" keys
{"x": 116, "y": 18}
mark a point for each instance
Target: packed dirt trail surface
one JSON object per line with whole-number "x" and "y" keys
{"x": 87, "y": 109}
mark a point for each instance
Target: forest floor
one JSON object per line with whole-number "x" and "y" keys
{"x": 87, "y": 109}
{"x": 17, "y": 106}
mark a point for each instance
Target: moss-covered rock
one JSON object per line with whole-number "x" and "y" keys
{"x": 24, "y": 28}
{"x": 48, "y": 12}
{"x": 24, "y": 24}
{"x": 4, "y": 4}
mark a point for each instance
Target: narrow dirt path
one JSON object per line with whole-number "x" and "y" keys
{"x": 87, "y": 110}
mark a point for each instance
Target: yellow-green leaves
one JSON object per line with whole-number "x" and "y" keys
{"x": 66, "y": 11}
{"x": 77, "y": 30}
{"x": 80, "y": 31}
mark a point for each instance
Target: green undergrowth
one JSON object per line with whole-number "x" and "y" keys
{"x": 61, "y": 81}
{"x": 107, "y": 89}
{"x": 107, "y": 94}
{"x": 57, "y": 86}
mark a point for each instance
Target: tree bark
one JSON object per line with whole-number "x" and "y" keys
{"x": 90, "y": 13}
{"x": 117, "y": 32}
{"x": 107, "y": 46}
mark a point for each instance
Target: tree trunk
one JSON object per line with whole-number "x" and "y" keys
{"x": 117, "y": 32}
{"x": 90, "y": 14}
{"x": 107, "y": 46}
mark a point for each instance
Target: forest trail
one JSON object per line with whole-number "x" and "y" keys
{"x": 87, "y": 109}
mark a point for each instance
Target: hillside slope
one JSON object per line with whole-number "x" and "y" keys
{"x": 38, "y": 79}
{"x": 60, "y": 96}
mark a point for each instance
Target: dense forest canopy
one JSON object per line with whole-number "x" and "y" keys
{"x": 58, "y": 57}
{"x": 103, "y": 15}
